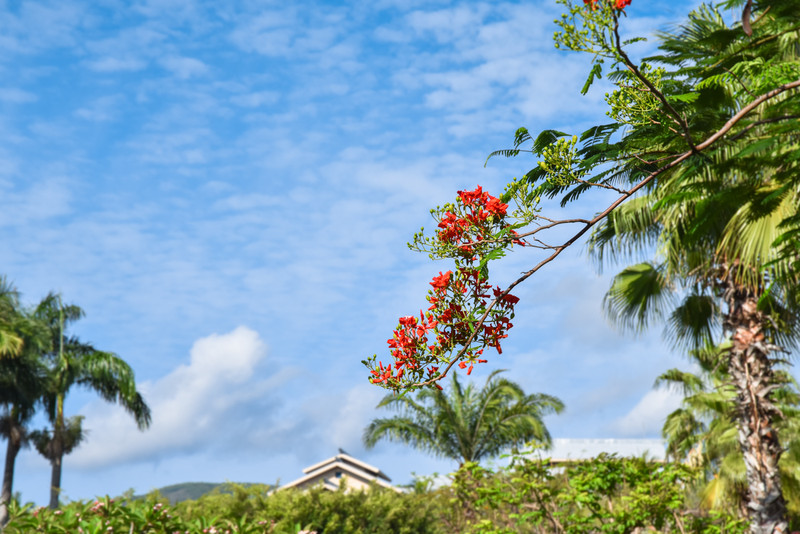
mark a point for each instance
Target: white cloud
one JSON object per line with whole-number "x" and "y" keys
{"x": 256, "y": 99}
{"x": 355, "y": 411}
{"x": 16, "y": 96}
{"x": 192, "y": 406}
{"x": 38, "y": 202}
{"x": 449, "y": 24}
{"x": 100, "y": 110}
{"x": 268, "y": 34}
{"x": 116, "y": 64}
{"x": 647, "y": 417}
{"x": 184, "y": 67}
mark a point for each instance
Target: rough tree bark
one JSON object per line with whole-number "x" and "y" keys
{"x": 16, "y": 436}
{"x": 751, "y": 370}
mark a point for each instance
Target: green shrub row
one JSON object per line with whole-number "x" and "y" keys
{"x": 605, "y": 495}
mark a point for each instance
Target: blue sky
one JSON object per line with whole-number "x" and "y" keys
{"x": 227, "y": 189}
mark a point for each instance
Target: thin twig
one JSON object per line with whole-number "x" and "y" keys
{"x": 597, "y": 184}
{"x": 677, "y": 117}
{"x": 759, "y": 123}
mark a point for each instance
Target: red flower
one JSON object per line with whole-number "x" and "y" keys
{"x": 408, "y": 321}
{"x": 440, "y": 282}
{"x": 618, "y": 4}
{"x": 468, "y": 197}
{"x": 496, "y": 207}
{"x": 509, "y": 299}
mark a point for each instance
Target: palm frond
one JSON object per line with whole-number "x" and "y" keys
{"x": 638, "y": 296}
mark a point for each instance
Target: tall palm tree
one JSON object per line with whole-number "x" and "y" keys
{"x": 22, "y": 382}
{"x": 71, "y": 362}
{"x": 466, "y": 424}
{"x": 709, "y": 230}
{"x": 703, "y": 430}
{"x": 714, "y": 275}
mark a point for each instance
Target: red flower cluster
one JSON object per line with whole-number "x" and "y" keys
{"x": 480, "y": 211}
{"x": 419, "y": 345}
{"x": 618, "y": 4}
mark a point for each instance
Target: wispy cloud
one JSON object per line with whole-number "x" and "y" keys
{"x": 16, "y": 96}
{"x": 116, "y": 64}
{"x": 184, "y": 67}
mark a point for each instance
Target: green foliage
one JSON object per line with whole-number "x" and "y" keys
{"x": 10, "y": 341}
{"x": 287, "y": 511}
{"x": 105, "y": 515}
{"x": 607, "y": 494}
{"x": 466, "y": 424}
{"x": 588, "y": 30}
{"x": 632, "y": 103}
{"x": 529, "y": 496}
{"x": 560, "y": 161}
{"x": 702, "y": 431}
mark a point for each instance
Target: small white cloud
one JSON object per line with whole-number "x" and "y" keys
{"x": 191, "y": 407}
{"x": 16, "y": 96}
{"x": 570, "y": 448}
{"x": 248, "y": 202}
{"x": 100, "y": 110}
{"x": 184, "y": 67}
{"x": 257, "y": 99}
{"x": 448, "y": 24}
{"x": 647, "y": 417}
{"x": 267, "y": 34}
{"x": 39, "y": 202}
{"x": 116, "y": 64}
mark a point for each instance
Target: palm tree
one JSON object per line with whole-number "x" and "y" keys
{"x": 716, "y": 274}
{"x": 71, "y": 362}
{"x": 703, "y": 430}
{"x": 22, "y": 381}
{"x": 709, "y": 231}
{"x": 466, "y": 424}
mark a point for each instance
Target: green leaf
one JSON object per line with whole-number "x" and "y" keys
{"x": 596, "y": 72}
{"x": 686, "y": 97}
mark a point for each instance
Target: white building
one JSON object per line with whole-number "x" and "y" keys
{"x": 341, "y": 469}
{"x": 565, "y": 449}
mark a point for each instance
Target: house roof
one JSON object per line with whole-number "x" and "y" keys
{"x": 347, "y": 465}
{"x": 346, "y": 458}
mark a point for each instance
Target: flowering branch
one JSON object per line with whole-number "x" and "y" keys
{"x": 467, "y": 314}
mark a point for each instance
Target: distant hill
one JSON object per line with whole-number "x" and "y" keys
{"x": 189, "y": 491}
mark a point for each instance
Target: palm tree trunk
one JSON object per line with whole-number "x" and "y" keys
{"x": 57, "y": 453}
{"x": 14, "y": 445}
{"x": 55, "y": 481}
{"x": 750, "y": 368}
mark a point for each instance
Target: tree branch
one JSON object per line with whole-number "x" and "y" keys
{"x": 680, "y": 158}
{"x": 677, "y": 117}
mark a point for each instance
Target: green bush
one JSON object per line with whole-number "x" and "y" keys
{"x": 377, "y": 510}
{"x": 605, "y": 495}
{"x": 240, "y": 510}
